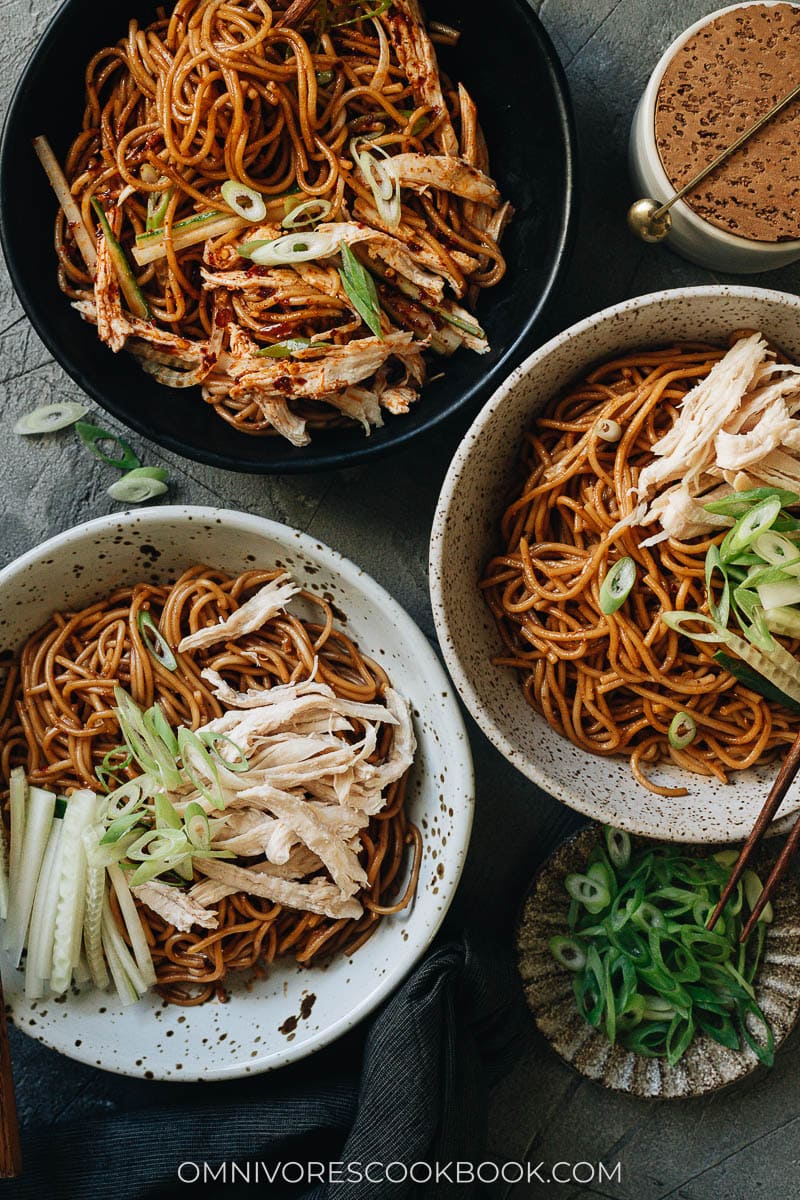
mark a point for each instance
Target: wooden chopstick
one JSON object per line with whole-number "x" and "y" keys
{"x": 780, "y": 787}
{"x": 10, "y": 1149}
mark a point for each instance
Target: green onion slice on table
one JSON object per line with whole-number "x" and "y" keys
{"x": 49, "y": 418}
{"x": 139, "y": 484}
{"x": 93, "y": 438}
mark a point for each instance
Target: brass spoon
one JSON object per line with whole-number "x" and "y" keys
{"x": 652, "y": 221}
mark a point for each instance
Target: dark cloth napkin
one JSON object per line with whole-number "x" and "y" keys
{"x": 429, "y": 1057}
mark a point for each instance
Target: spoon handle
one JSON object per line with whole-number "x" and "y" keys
{"x": 10, "y": 1149}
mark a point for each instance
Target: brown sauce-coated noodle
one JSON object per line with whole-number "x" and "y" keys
{"x": 56, "y": 718}
{"x": 227, "y": 89}
{"x": 613, "y": 683}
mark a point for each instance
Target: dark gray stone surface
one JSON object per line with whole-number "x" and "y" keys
{"x": 731, "y": 1146}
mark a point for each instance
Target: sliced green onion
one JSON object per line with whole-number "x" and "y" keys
{"x": 720, "y": 612}
{"x": 139, "y": 484}
{"x": 93, "y": 436}
{"x": 245, "y": 202}
{"x": 618, "y": 844}
{"x": 210, "y": 737}
{"x": 308, "y": 213}
{"x": 654, "y": 993}
{"x": 198, "y": 830}
{"x": 195, "y": 758}
{"x": 781, "y": 594}
{"x": 360, "y": 288}
{"x": 157, "y": 206}
{"x": 374, "y": 12}
{"x": 120, "y": 826}
{"x": 755, "y": 521}
{"x": 155, "y": 641}
{"x": 592, "y": 894}
{"x": 678, "y": 621}
{"x": 287, "y": 348}
{"x": 125, "y": 798}
{"x": 291, "y": 248}
{"x": 738, "y": 503}
{"x": 608, "y": 430}
{"x": 324, "y": 78}
{"x": 381, "y": 176}
{"x": 682, "y": 730}
{"x": 777, "y": 549}
{"x": 568, "y": 953}
{"x": 165, "y": 814}
{"x": 157, "y": 724}
{"x": 113, "y": 763}
{"x": 49, "y": 418}
{"x": 753, "y": 887}
{"x": 617, "y": 585}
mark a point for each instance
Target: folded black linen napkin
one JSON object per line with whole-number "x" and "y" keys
{"x": 429, "y": 1057}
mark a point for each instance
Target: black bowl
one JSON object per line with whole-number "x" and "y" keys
{"x": 510, "y": 67}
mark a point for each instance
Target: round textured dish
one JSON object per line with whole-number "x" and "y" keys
{"x": 706, "y": 1066}
{"x": 531, "y": 142}
{"x": 293, "y": 1011}
{"x": 466, "y": 534}
{"x": 691, "y": 235}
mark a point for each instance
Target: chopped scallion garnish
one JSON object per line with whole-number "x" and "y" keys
{"x": 93, "y": 438}
{"x": 155, "y": 641}
{"x": 617, "y": 585}
{"x": 49, "y": 418}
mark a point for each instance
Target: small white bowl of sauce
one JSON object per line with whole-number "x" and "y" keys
{"x": 711, "y": 84}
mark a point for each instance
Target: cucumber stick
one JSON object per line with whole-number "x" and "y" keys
{"x": 93, "y": 910}
{"x": 81, "y": 810}
{"x": 3, "y": 872}
{"x": 127, "y": 979}
{"x": 43, "y": 917}
{"x": 39, "y": 810}
{"x": 134, "y": 297}
{"x": 136, "y": 936}
{"x": 17, "y": 798}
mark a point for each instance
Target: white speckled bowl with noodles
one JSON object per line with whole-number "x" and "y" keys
{"x": 466, "y": 534}
{"x": 294, "y": 1010}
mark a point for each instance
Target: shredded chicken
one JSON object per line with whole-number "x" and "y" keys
{"x": 178, "y": 908}
{"x": 308, "y": 790}
{"x": 736, "y": 429}
{"x": 417, "y": 57}
{"x": 254, "y": 613}
{"x": 420, "y": 171}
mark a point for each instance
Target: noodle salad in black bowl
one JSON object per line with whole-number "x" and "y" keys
{"x": 287, "y": 237}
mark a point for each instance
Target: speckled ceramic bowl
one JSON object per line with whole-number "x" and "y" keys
{"x": 466, "y": 534}
{"x": 706, "y": 1066}
{"x": 295, "y": 1010}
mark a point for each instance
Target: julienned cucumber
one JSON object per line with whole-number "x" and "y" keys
{"x": 81, "y": 811}
{"x": 39, "y": 807}
{"x": 39, "y": 962}
{"x": 3, "y": 872}
{"x": 133, "y": 294}
{"x": 133, "y": 924}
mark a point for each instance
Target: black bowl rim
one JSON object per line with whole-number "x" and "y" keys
{"x": 360, "y": 451}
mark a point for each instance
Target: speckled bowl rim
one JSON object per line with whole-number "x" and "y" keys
{"x": 581, "y": 802}
{"x": 353, "y": 576}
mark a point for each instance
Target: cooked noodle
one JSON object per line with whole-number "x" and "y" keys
{"x": 57, "y": 719}
{"x": 613, "y": 683}
{"x": 270, "y": 96}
